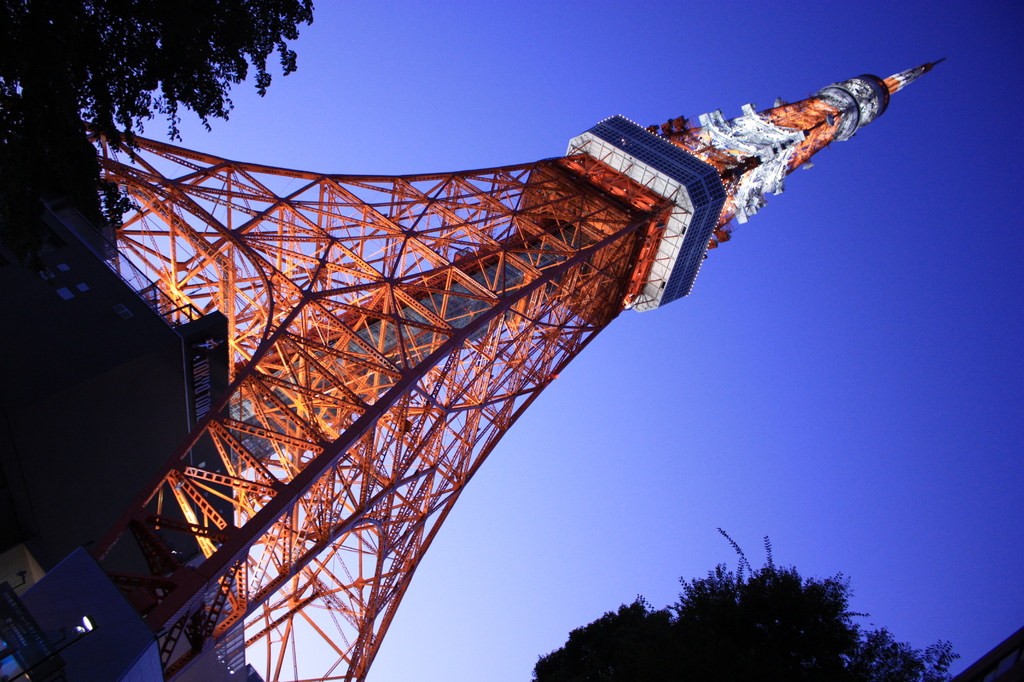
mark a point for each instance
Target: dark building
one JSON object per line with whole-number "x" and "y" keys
{"x": 102, "y": 379}
{"x": 1005, "y": 663}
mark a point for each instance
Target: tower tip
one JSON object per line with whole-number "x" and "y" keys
{"x": 898, "y": 81}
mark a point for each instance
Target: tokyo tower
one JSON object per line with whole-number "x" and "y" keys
{"x": 383, "y": 334}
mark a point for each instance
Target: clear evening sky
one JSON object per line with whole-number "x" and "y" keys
{"x": 846, "y": 376}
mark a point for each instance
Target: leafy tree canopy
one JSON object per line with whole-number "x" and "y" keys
{"x": 768, "y": 625}
{"x": 115, "y": 64}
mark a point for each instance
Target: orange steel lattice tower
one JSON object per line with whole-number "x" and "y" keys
{"x": 384, "y": 333}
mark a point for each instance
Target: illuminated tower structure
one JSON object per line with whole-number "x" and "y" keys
{"x": 384, "y": 333}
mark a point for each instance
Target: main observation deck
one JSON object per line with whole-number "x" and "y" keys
{"x": 691, "y": 184}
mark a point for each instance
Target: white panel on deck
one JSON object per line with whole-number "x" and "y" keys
{"x": 678, "y": 222}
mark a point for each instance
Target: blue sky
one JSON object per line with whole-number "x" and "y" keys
{"x": 846, "y": 376}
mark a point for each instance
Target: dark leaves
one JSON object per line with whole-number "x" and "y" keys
{"x": 773, "y": 625}
{"x": 116, "y": 64}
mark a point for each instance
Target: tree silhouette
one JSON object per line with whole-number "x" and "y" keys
{"x": 112, "y": 64}
{"x": 769, "y": 625}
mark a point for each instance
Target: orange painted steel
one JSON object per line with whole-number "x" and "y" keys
{"x": 817, "y": 119}
{"x": 384, "y": 333}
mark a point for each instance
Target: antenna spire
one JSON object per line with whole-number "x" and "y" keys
{"x": 898, "y": 81}
{"x": 754, "y": 153}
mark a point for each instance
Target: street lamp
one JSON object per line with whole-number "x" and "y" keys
{"x": 82, "y": 630}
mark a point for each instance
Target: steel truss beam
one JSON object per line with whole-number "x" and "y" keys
{"x": 384, "y": 333}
